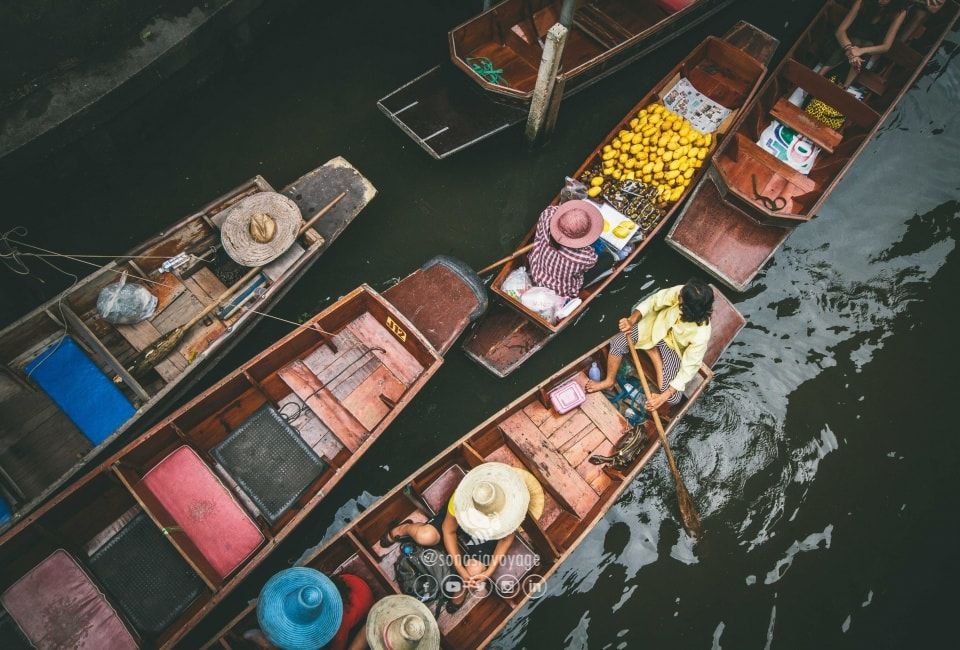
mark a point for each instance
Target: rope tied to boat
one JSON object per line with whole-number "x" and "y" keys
{"x": 484, "y": 67}
{"x": 774, "y": 205}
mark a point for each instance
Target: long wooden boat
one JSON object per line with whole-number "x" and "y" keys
{"x": 143, "y": 546}
{"x": 54, "y": 358}
{"x": 729, "y": 226}
{"x": 729, "y": 71}
{"x": 528, "y": 434}
{"x": 452, "y": 106}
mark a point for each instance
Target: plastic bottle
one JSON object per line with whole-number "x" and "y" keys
{"x": 595, "y": 374}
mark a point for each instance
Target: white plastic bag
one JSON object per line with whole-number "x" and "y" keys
{"x": 789, "y": 146}
{"x": 544, "y": 301}
{"x": 121, "y": 303}
{"x": 517, "y": 283}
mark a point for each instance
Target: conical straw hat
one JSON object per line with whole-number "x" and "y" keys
{"x": 260, "y": 228}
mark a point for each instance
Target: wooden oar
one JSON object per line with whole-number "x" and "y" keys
{"x": 159, "y": 349}
{"x": 688, "y": 509}
{"x": 499, "y": 263}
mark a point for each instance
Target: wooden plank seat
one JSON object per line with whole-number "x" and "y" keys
{"x": 806, "y": 125}
{"x": 57, "y": 605}
{"x": 818, "y": 86}
{"x": 189, "y": 493}
{"x": 747, "y": 161}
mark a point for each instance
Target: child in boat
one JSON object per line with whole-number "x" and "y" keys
{"x": 870, "y": 27}
{"x": 476, "y": 527}
{"x": 675, "y": 322}
{"x": 562, "y": 246}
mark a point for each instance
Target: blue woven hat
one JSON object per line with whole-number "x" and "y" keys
{"x": 299, "y": 609}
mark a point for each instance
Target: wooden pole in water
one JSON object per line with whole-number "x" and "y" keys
{"x": 543, "y": 92}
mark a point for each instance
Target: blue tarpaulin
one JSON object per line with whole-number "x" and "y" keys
{"x": 80, "y": 389}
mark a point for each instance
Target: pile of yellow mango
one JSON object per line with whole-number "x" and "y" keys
{"x": 661, "y": 149}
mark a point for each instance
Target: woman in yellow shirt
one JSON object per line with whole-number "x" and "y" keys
{"x": 675, "y": 321}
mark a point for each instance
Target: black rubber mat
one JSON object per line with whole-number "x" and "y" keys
{"x": 145, "y": 576}
{"x": 269, "y": 461}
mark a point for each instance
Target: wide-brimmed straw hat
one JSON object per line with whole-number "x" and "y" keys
{"x": 576, "y": 224}
{"x": 401, "y": 623}
{"x": 299, "y": 609}
{"x": 259, "y": 228}
{"x": 491, "y": 501}
{"x": 535, "y": 508}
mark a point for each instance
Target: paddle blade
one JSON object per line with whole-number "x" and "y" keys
{"x": 156, "y": 352}
{"x": 688, "y": 510}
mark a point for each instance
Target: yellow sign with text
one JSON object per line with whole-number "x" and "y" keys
{"x": 398, "y": 331}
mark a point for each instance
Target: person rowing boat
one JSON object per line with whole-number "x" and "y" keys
{"x": 675, "y": 322}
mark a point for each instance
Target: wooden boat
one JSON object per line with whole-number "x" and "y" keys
{"x": 161, "y": 531}
{"x": 729, "y": 70}
{"x": 728, "y": 227}
{"x": 527, "y": 434}
{"x": 51, "y": 358}
{"x": 452, "y": 106}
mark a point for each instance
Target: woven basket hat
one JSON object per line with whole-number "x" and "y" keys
{"x": 260, "y": 228}
{"x": 491, "y": 501}
{"x": 299, "y": 609}
{"x": 401, "y": 623}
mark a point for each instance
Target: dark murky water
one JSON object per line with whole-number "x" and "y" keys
{"x": 824, "y": 458}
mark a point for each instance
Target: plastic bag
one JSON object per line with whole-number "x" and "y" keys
{"x": 573, "y": 190}
{"x": 544, "y": 301}
{"x": 121, "y": 303}
{"x": 517, "y": 283}
{"x": 789, "y": 146}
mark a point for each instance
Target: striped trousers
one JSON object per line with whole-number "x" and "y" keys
{"x": 668, "y": 357}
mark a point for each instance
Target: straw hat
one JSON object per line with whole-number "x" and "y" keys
{"x": 401, "y": 623}
{"x": 299, "y": 609}
{"x": 491, "y": 501}
{"x": 536, "y": 493}
{"x": 259, "y": 228}
{"x": 576, "y": 224}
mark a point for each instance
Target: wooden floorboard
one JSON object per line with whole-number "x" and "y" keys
{"x": 396, "y": 357}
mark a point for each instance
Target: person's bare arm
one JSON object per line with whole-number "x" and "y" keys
{"x": 498, "y": 554}
{"x": 887, "y": 40}
{"x": 844, "y": 25}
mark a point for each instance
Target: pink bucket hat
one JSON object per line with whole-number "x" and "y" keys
{"x": 576, "y": 224}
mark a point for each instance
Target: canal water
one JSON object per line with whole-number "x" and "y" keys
{"x": 824, "y": 459}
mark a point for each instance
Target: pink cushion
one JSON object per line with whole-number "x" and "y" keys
{"x": 206, "y": 511}
{"x": 675, "y": 5}
{"x": 58, "y": 606}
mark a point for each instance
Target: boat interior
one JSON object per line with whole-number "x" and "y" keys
{"x": 512, "y": 33}
{"x": 720, "y": 71}
{"x": 775, "y": 190}
{"x": 528, "y": 434}
{"x": 227, "y": 475}
{"x": 68, "y": 368}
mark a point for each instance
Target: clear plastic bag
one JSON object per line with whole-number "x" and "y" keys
{"x": 572, "y": 190}
{"x": 123, "y": 303}
{"x": 544, "y": 301}
{"x": 517, "y": 283}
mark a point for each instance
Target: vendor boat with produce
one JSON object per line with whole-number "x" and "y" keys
{"x": 107, "y": 354}
{"x": 800, "y": 135}
{"x": 141, "y": 548}
{"x": 631, "y": 185}
{"x": 480, "y": 529}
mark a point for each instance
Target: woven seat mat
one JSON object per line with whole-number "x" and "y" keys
{"x": 270, "y": 461}
{"x": 145, "y": 576}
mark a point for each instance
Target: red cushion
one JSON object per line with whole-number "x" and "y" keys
{"x": 58, "y": 606}
{"x": 206, "y": 511}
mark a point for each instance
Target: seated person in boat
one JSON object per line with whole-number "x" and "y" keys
{"x": 476, "y": 527}
{"x": 675, "y": 322}
{"x": 870, "y": 27}
{"x": 562, "y": 246}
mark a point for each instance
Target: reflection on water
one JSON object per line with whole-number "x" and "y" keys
{"x": 824, "y": 456}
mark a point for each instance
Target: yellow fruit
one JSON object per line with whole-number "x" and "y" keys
{"x": 658, "y": 166}
{"x": 650, "y": 130}
{"x": 670, "y": 175}
{"x": 684, "y": 164}
{"x": 649, "y": 167}
{"x": 667, "y": 156}
{"x": 658, "y": 176}
{"x": 630, "y": 176}
{"x": 674, "y": 138}
{"x": 608, "y": 171}
{"x": 606, "y": 224}
{"x": 594, "y": 191}
{"x": 671, "y": 146}
{"x": 707, "y": 139}
{"x": 634, "y": 122}
{"x": 648, "y": 178}
{"x": 622, "y": 133}
{"x": 688, "y": 173}
{"x": 684, "y": 141}
{"x": 697, "y": 164}
{"x": 674, "y": 165}
{"x": 630, "y": 164}
{"x": 684, "y": 131}
{"x": 616, "y": 143}
{"x": 608, "y": 155}
{"x": 627, "y": 138}
{"x": 596, "y": 181}
{"x": 661, "y": 151}
{"x": 701, "y": 154}
{"x": 677, "y": 126}
{"x": 607, "y": 149}
{"x": 693, "y": 152}
{"x": 622, "y": 157}
{"x": 682, "y": 150}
